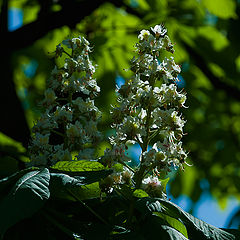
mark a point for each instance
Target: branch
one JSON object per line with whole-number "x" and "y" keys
{"x": 216, "y": 82}
{"x": 69, "y": 16}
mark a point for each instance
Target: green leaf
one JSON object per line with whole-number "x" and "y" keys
{"x": 78, "y": 166}
{"x": 222, "y": 8}
{"x": 60, "y": 179}
{"x": 218, "y": 40}
{"x": 60, "y": 184}
{"x": 139, "y": 193}
{"x": 92, "y": 176}
{"x": 164, "y": 183}
{"x": 87, "y": 191}
{"x": 153, "y": 227}
{"x": 197, "y": 229}
{"x": 173, "y": 233}
{"x": 118, "y": 167}
{"x": 85, "y": 171}
{"x": 26, "y": 197}
{"x": 8, "y": 182}
{"x": 87, "y": 177}
{"x": 173, "y": 222}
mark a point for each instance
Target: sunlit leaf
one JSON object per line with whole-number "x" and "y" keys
{"x": 222, "y": 8}
{"x": 218, "y": 40}
{"x": 78, "y": 166}
{"x": 139, "y": 193}
{"x": 164, "y": 183}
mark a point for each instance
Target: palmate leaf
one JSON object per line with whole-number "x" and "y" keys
{"x": 60, "y": 184}
{"x": 26, "y": 197}
{"x": 63, "y": 186}
{"x": 8, "y": 182}
{"x": 196, "y": 228}
{"x": 86, "y": 171}
{"x": 154, "y": 227}
{"x": 173, "y": 222}
{"x": 89, "y": 177}
{"x": 77, "y": 179}
{"x": 159, "y": 222}
{"x": 78, "y": 166}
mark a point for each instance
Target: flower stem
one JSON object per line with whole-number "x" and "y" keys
{"x": 124, "y": 164}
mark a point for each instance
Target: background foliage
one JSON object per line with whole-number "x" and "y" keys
{"x": 206, "y": 34}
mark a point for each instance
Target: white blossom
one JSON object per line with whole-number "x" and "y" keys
{"x": 144, "y": 34}
{"x": 70, "y": 120}
{"x": 159, "y": 30}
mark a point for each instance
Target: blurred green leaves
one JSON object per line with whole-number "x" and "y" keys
{"x": 221, "y": 8}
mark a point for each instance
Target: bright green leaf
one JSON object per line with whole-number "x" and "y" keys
{"x": 217, "y": 39}
{"x": 139, "y": 193}
{"x": 87, "y": 191}
{"x": 118, "y": 167}
{"x": 78, "y": 166}
{"x": 7, "y": 141}
{"x": 164, "y": 183}
{"x": 222, "y": 8}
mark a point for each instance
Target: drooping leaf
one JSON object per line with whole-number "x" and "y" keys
{"x": 8, "y": 182}
{"x": 59, "y": 179}
{"x": 158, "y": 222}
{"x": 234, "y": 232}
{"x": 26, "y": 197}
{"x": 153, "y": 227}
{"x": 61, "y": 183}
{"x": 87, "y": 177}
{"x": 173, "y": 222}
{"x": 197, "y": 229}
{"x": 173, "y": 233}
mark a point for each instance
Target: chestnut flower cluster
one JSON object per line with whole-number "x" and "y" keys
{"x": 69, "y": 122}
{"x": 148, "y": 113}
